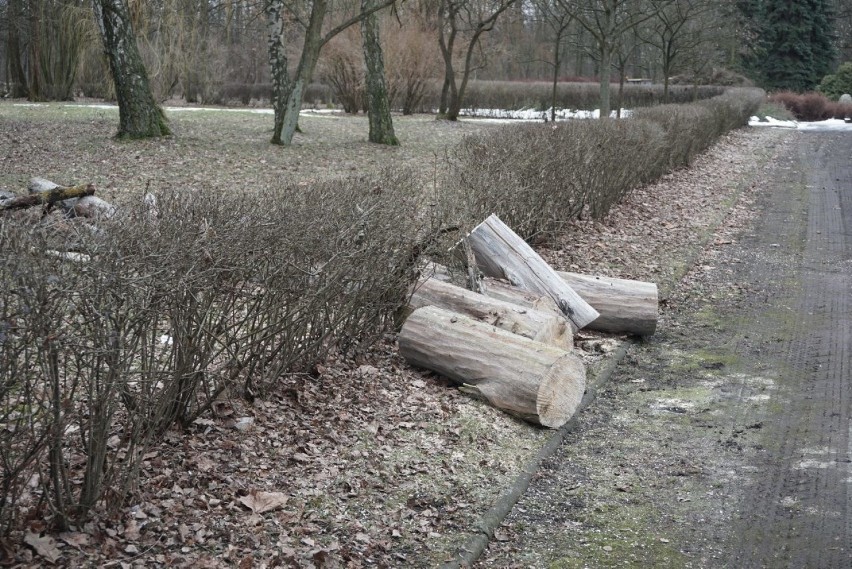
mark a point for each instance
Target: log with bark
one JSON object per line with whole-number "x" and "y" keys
{"x": 625, "y": 306}
{"x": 57, "y": 194}
{"x": 501, "y": 253}
{"x": 548, "y": 328}
{"x": 498, "y": 289}
{"x": 85, "y": 206}
{"x": 535, "y": 381}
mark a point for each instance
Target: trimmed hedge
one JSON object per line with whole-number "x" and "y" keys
{"x": 537, "y": 177}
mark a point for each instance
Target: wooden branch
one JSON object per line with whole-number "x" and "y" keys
{"x": 531, "y": 380}
{"x": 57, "y": 194}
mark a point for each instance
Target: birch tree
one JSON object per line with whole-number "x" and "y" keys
{"x": 139, "y": 115}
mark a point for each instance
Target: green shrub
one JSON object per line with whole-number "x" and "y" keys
{"x": 836, "y": 84}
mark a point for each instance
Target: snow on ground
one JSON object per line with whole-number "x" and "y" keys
{"x": 826, "y": 125}
{"x": 496, "y": 115}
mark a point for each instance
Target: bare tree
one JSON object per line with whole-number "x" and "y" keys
{"x": 465, "y": 20}
{"x": 139, "y": 114}
{"x": 607, "y": 21}
{"x": 558, "y": 21}
{"x": 672, "y": 33}
{"x": 378, "y": 105}
{"x": 288, "y": 91}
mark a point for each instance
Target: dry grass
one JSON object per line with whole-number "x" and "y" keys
{"x": 226, "y": 150}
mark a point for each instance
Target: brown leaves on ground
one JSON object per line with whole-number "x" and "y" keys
{"x": 371, "y": 463}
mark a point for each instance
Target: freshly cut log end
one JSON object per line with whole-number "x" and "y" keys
{"x": 501, "y": 253}
{"x": 535, "y": 381}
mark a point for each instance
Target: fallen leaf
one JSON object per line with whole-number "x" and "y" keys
{"x": 261, "y": 502}
{"x": 75, "y": 539}
{"x": 44, "y": 546}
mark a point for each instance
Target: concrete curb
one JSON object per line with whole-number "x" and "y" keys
{"x": 491, "y": 520}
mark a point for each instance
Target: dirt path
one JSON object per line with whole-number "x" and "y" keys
{"x": 725, "y": 440}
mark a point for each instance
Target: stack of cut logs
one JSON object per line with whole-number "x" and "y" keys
{"x": 511, "y": 342}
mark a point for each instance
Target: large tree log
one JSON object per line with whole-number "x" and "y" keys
{"x": 57, "y": 194}
{"x": 625, "y": 306}
{"x": 502, "y": 254}
{"x": 534, "y": 381}
{"x": 86, "y": 206}
{"x": 548, "y": 328}
{"x": 498, "y": 289}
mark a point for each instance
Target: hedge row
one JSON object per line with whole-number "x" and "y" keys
{"x": 538, "y": 177}
{"x": 163, "y": 309}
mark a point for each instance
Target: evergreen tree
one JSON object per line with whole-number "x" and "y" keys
{"x": 789, "y": 43}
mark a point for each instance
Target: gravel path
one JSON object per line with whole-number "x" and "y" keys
{"x": 725, "y": 440}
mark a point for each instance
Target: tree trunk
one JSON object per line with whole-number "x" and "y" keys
{"x": 13, "y": 53}
{"x": 500, "y": 253}
{"x": 547, "y": 328}
{"x": 528, "y": 379}
{"x": 378, "y": 105}
{"x": 281, "y": 85}
{"x": 500, "y": 290}
{"x": 556, "y": 61}
{"x": 605, "y": 74}
{"x": 625, "y": 306}
{"x": 139, "y": 114}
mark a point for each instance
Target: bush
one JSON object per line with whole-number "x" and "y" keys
{"x": 807, "y": 106}
{"x": 537, "y": 177}
{"x": 837, "y": 84}
{"x": 211, "y": 294}
{"x": 516, "y": 95}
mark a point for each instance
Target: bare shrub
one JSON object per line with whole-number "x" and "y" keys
{"x": 343, "y": 69}
{"x": 516, "y": 95}
{"x": 412, "y": 65}
{"x": 158, "y": 316}
{"x": 805, "y": 106}
{"x": 689, "y": 129}
{"x": 538, "y": 177}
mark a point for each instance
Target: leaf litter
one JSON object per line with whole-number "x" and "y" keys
{"x": 372, "y": 463}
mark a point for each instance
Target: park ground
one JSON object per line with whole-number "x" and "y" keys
{"x": 724, "y": 430}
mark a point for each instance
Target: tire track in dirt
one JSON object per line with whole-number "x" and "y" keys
{"x": 723, "y": 441}
{"x": 796, "y": 509}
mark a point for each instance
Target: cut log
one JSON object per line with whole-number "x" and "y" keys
{"x": 57, "y": 194}
{"x": 500, "y": 253}
{"x": 93, "y": 207}
{"x": 625, "y": 306}
{"x": 542, "y": 327}
{"x": 531, "y": 380}
{"x": 498, "y": 289}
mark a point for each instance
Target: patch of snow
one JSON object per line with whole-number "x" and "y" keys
{"x": 501, "y": 115}
{"x": 826, "y": 125}
{"x": 769, "y": 121}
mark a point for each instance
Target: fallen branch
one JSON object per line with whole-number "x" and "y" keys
{"x": 57, "y": 194}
